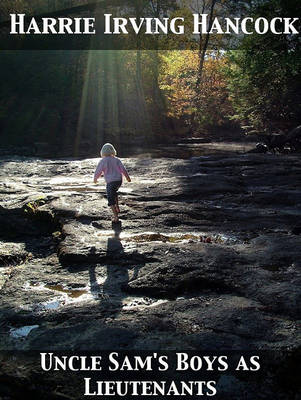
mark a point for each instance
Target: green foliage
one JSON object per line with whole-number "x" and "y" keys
{"x": 265, "y": 76}
{"x": 32, "y": 207}
{"x": 69, "y": 99}
{"x": 37, "y": 92}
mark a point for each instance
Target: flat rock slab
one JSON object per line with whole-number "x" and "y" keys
{"x": 12, "y": 254}
{"x": 207, "y": 255}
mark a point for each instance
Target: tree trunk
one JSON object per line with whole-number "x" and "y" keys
{"x": 204, "y": 46}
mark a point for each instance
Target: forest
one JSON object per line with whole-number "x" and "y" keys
{"x": 77, "y": 99}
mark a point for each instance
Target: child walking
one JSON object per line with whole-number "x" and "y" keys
{"x": 112, "y": 169}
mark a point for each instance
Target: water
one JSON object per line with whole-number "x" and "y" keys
{"x": 23, "y": 332}
{"x": 64, "y": 296}
{"x": 186, "y": 151}
{"x": 184, "y": 237}
{"x": 73, "y": 293}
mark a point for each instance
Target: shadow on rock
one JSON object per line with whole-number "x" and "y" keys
{"x": 117, "y": 275}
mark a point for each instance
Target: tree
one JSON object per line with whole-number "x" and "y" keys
{"x": 179, "y": 72}
{"x": 265, "y": 76}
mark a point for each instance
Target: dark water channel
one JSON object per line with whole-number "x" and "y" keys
{"x": 186, "y": 150}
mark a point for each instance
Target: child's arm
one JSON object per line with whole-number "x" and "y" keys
{"x": 124, "y": 171}
{"x": 128, "y": 177}
{"x": 98, "y": 172}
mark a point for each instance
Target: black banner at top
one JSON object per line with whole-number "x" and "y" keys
{"x": 145, "y": 25}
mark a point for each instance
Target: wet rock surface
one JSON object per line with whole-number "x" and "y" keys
{"x": 207, "y": 258}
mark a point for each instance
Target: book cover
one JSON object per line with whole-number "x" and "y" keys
{"x": 150, "y": 199}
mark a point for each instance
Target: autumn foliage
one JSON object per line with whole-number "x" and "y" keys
{"x": 205, "y": 106}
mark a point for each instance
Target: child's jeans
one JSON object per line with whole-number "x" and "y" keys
{"x": 112, "y": 188}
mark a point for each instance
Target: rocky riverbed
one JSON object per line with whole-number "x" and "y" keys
{"x": 207, "y": 258}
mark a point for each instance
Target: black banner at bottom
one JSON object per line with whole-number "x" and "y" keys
{"x": 150, "y": 374}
